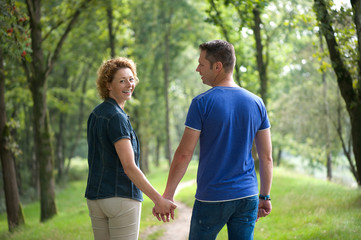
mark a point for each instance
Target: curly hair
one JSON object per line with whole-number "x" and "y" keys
{"x": 107, "y": 71}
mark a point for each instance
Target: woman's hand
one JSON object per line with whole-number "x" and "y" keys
{"x": 163, "y": 209}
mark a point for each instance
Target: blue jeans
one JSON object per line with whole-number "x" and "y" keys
{"x": 208, "y": 218}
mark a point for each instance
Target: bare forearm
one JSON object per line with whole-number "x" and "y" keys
{"x": 139, "y": 179}
{"x": 177, "y": 170}
{"x": 264, "y": 150}
{"x": 266, "y": 174}
{"x": 182, "y": 157}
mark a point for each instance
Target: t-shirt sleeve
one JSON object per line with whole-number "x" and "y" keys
{"x": 118, "y": 128}
{"x": 265, "y": 123}
{"x": 194, "y": 116}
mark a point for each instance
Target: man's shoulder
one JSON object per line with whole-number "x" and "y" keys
{"x": 205, "y": 94}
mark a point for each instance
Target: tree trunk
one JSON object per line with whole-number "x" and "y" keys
{"x": 60, "y": 138}
{"x": 80, "y": 120}
{"x": 351, "y": 95}
{"x": 12, "y": 200}
{"x": 345, "y": 147}
{"x": 37, "y": 76}
{"x": 327, "y": 130}
{"x": 28, "y": 149}
{"x": 43, "y": 152}
{"x": 261, "y": 65}
{"x": 144, "y": 163}
{"x": 356, "y": 110}
{"x": 166, "y": 65}
{"x": 42, "y": 140}
{"x": 110, "y": 28}
{"x": 279, "y": 157}
{"x": 157, "y": 151}
{"x": 356, "y": 8}
{"x": 59, "y": 149}
{"x": 327, "y": 115}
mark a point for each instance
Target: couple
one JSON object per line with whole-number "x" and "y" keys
{"x": 225, "y": 119}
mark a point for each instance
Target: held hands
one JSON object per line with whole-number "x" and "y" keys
{"x": 264, "y": 208}
{"x": 163, "y": 209}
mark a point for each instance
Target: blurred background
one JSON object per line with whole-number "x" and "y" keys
{"x": 301, "y": 57}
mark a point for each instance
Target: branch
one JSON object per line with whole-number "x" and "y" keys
{"x": 218, "y": 20}
{"x": 30, "y": 6}
{"x": 26, "y": 68}
{"x": 71, "y": 24}
{"x": 344, "y": 78}
{"x": 52, "y": 29}
{"x": 346, "y": 149}
{"x": 356, "y": 7}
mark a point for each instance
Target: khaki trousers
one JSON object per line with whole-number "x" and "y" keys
{"x": 115, "y": 218}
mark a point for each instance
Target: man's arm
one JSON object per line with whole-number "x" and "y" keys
{"x": 264, "y": 150}
{"x": 181, "y": 159}
{"x": 126, "y": 155}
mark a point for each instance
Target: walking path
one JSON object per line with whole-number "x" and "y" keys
{"x": 177, "y": 229}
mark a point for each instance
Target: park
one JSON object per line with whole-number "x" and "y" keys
{"x": 302, "y": 58}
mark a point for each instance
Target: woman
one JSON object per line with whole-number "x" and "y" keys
{"x": 115, "y": 182}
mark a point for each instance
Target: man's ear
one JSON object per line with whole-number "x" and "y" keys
{"x": 219, "y": 66}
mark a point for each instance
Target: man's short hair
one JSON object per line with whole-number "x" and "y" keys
{"x": 220, "y": 51}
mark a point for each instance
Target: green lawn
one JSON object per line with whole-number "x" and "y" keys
{"x": 303, "y": 208}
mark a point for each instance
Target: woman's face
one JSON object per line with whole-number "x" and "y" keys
{"x": 122, "y": 86}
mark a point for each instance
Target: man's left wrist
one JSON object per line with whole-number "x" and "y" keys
{"x": 264, "y": 197}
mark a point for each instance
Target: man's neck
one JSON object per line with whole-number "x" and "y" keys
{"x": 224, "y": 81}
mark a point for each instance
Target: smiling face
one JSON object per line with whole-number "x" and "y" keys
{"x": 205, "y": 69}
{"x": 122, "y": 86}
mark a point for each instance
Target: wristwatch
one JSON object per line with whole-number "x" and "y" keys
{"x": 267, "y": 197}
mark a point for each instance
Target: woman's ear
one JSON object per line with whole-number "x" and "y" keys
{"x": 109, "y": 86}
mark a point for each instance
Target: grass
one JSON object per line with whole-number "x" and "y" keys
{"x": 303, "y": 208}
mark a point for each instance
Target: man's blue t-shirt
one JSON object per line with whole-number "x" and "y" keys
{"x": 228, "y": 119}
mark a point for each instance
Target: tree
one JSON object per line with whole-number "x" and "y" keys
{"x": 351, "y": 93}
{"x": 215, "y": 16}
{"x": 327, "y": 115}
{"x": 37, "y": 74}
{"x": 167, "y": 23}
{"x": 11, "y": 43}
{"x": 13, "y": 207}
{"x": 109, "y": 10}
{"x": 163, "y": 30}
{"x": 261, "y": 62}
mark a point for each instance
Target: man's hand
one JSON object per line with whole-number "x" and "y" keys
{"x": 264, "y": 208}
{"x": 163, "y": 209}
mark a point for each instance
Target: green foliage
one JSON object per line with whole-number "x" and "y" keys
{"x": 14, "y": 34}
{"x": 295, "y": 64}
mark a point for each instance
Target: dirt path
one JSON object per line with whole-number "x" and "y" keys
{"x": 177, "y": 229}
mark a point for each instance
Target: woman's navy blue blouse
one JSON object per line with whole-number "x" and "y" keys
{"x": 107, "y": 124}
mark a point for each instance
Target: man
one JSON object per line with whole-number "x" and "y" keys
{"x": 226, "y": 119}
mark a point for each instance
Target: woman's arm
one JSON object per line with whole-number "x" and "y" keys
{"x": 126, "y": 155}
